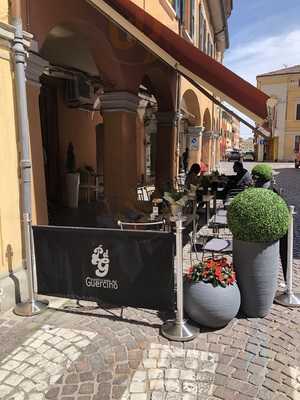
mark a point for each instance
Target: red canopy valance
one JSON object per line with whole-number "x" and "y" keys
{"x": 186, "y": 58}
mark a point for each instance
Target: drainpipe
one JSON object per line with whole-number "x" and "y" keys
{"x": 180, "y": 11}
{"x": 31, "y": 307}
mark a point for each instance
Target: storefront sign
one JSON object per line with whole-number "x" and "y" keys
{"x": 194, "y": 142}
{"x": 125, "y": 268}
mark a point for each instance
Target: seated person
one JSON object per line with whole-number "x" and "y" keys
{"x": 193, "y": 177}
{"x": 241, "y": 180}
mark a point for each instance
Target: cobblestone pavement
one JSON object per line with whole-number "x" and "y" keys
{"x": 74, "y": 352}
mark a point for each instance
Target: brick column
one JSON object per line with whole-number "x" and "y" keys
{"x": 119, "y": 111}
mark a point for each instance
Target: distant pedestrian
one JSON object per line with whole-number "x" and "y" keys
{"x": 185, "y": 160}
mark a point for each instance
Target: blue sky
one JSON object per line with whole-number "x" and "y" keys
{"x": 264, "y": 36}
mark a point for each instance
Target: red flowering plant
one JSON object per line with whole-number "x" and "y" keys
{"x": 218, "y": 272}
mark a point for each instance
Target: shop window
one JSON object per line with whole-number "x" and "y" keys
{"x": 188, "y": 16}
{"x": 297, "y": 144}
{"x": 210, "y": 47}
{"x": 204, "y": 38}
{"x": 298, "y": 112}
{"x": 175, "y": 5}
{"x": 201, "y": 29}
{"x": 192, "y": 18}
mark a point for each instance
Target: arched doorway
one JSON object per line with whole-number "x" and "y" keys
{"x": 189, "y": 136}
{"x": 147, "y": 133}
{"x": 70, "y": 88}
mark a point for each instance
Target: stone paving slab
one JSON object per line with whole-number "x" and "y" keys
{"x": 40, "y": 361}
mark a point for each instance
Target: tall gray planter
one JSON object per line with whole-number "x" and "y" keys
{"x": 256, "y": 265}
{"x": 211, "y": 306}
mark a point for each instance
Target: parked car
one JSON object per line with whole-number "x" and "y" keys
{"x": 248, "y": 156}
{"x": 234, "y": 156}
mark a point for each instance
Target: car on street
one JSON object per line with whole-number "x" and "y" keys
{"x": 234, "y": 156}
{"x": 249, "y": 156}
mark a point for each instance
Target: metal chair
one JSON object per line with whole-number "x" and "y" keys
{"x": 142, "y": 226}
{"x": 179, "y": 183}
{"x": 217, "y": 246}
{"x": 150, "y": 190}
{"x": 143, "y": 193}
{"x": 218, "y": 221}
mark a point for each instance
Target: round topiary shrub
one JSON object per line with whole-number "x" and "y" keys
{"x": 258, "y": 215}
{"x": 263, "y": 172}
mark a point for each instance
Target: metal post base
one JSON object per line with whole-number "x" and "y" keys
{"x": 179, "y": 332}
{"x": 288, "y": 300}
{"x": 30, "y": 308}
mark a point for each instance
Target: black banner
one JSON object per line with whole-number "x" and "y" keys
{"x": 124, "y": 268}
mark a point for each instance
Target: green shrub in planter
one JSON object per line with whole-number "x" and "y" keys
{"x": 258, "y": 218}
{"x": 258, "y": 215}
{"x": 263, "y": 172}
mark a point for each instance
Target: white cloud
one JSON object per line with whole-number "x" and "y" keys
{"x": 263, "y": 55}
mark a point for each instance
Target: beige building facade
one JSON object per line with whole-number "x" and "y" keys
{"x": 202, "y": 26}
{"x": 284, "y": 85}
{"x": 130, "y": 140}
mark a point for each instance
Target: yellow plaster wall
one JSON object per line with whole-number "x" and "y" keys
{"x": 161, "y": 10}
{"x": 293, "y": 100}
{"x": 4, "y": 10}
{"x": 39, "y": 198}
{"x": 289, "y": 142}
{"x": 78, "y": 127}
{"x": 10, "y": 229}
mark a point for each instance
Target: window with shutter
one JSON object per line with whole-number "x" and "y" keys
{"x": 298, "y": 112}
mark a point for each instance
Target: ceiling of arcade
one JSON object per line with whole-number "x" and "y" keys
{"x": 73, "y": 34}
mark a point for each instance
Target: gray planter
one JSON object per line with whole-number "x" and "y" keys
{"x": 263, "y": 184}
{"x": 256, "y": 265}
{"x": 211, "y": 306}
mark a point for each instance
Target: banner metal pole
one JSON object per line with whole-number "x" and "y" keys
{"x": 289, "y": 298}
{"x": 179, "y": 329}
{"x": 31, "y": 306}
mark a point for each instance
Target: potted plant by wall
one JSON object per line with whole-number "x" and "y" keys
{"x": 211, "y": 295}
{"x": 257, "y": 218}
{"x": 72, "y": 179}
{"x": 262, "y": 175}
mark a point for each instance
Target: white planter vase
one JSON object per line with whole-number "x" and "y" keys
{"x": 72, "y": 189}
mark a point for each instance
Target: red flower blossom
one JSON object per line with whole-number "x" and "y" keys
{"x": 218, "y": 272}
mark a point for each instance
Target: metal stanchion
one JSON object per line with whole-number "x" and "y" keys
{"x": 32, "y": 306}
{"x": 289, "y": 298}
{"x": 179, "y": 329}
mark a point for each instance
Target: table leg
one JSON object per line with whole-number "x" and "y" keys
{"x": 207, "y": 212}
{"x": 215, "y": 203}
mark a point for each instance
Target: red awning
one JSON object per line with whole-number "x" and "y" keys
{"x": 186, "y": 58}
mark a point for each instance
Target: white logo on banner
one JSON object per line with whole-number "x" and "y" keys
{"x": 100, "y": 258}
